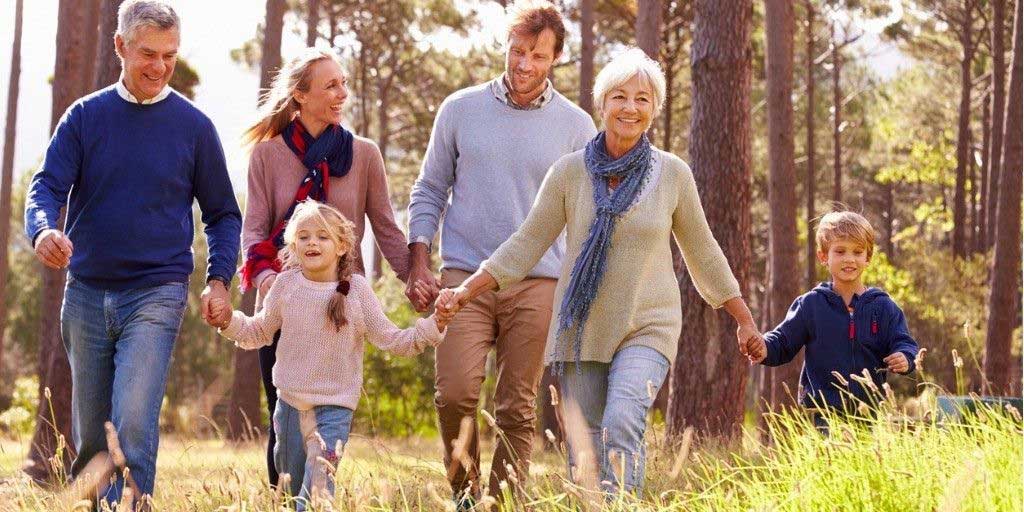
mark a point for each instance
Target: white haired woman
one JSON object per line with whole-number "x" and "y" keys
{"x": 617, "y": 321}
{"x": 301, "y": 151}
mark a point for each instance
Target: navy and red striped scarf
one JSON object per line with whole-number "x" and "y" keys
{"x": 329, "y": 155}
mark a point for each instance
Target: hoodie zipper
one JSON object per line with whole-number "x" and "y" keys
{"x": 853, "y": 328}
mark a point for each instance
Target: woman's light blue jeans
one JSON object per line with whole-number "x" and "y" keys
{"x": 298, "y": 450}
{"x": 613, "y": 400}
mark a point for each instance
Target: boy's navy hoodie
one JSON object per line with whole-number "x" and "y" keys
{"x": 836, "y": 339}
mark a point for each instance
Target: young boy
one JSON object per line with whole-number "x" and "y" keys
{"x": 844, "y": 326}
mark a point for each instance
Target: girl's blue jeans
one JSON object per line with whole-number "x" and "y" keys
{"x": 300, "y": 452}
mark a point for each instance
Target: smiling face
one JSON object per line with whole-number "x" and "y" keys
{"x": 846, "y": 260}
{"x": 528, "y": 59}
{"x": 628, "y": 109}
{"x": 148, "y": 59}
{"x": 322, "y": 103}
{"x": 317, "y": 250}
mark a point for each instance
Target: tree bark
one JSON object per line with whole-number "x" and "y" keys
{"x": 783, "y": 286}
{"x": 244, "y": 421}
{"x": 1002, "y": 303}
{"x": 270, "y": 55}
{"x": 648, "y": 26}
{"x": 108, "y": 65}
{"x": 837, "y": 119}
{"x": 986, "y": 162}
{"x": 963, "y": 150}
{"x": 312, "y": 21}
{"x": 809, "y": 186}
{"x": 53, "y": 417}
{"x": 7, "y": 174}
{"x": 995, "y": 153}
{"x": 587, "y": 56}
{"x": 90, "y": 27}
{"x": 648, "y": 32}
{"x": 709, "y": 376}
{"x": 244, "y": 404}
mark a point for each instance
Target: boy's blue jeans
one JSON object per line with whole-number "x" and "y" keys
{"x": 297, "y": 449}
{"x": 614, "y": 399}
{"x": 119, "y": 346}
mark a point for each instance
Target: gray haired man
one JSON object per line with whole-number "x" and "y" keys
{"x": 128, "y": 161}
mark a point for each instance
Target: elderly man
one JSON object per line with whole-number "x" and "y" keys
{"x": 128, "y": 161}
{"x": 490, "y": 149}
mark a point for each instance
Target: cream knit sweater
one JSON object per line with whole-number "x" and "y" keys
{"x": 317, "y": 365}
{"x": 638, "y": 302}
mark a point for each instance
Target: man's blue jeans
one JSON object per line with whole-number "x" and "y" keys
{"x": 119, "y": 345}
{"x": 613, "y": 400}
{"x": 298, "y": 449}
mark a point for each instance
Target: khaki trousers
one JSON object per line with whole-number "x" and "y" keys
{"x": 515, "y": 322}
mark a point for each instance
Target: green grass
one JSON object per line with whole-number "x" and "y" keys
{"x": 883, "y": 464}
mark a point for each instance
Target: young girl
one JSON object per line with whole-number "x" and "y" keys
{"x": 324, "y": 312}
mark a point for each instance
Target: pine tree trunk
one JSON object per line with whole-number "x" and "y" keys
{"x": 587, "y": 56}
{"x": 986, "y": 162}
{"x": 108, "y": 65}
{"x": 709, "y": 375}
{"x": 809, "y": 185}
{"x": 244, "y": 421}
{"x": 837, "y": 119}
{"x": 244, "y": 404}
{"x": 53, "y": 417}
{"x": 1002, "y": 303}
{"x": 783, "y": 286}
{"x": 963, "y": 150}
{"x": 90, "y": 27}
{"x": 995, "y": 153}
{"x": 7, "y": 174}
{"x": 312, "y": 21}
{"x": 270, "y": 55}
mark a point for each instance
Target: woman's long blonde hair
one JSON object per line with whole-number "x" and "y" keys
{"x": 278, "y": 106}
{"x": 342, "y": 231}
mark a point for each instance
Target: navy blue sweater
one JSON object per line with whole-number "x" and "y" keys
{"x": 128, "y": 174}
{"x": 836, "y": 340}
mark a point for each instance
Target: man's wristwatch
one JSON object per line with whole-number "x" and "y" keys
{"x": 220, "y": 279}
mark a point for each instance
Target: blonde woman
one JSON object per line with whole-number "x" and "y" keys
{"x": 616, "y": 325}
{"x": 301, "y": 151}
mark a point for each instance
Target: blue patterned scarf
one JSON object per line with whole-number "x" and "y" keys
{"x": 632, "y": 169}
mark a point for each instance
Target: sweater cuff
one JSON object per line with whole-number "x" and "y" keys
{"x": 426, "y": 328}
{"x": 501, "y": 275}
{"x": 233, "y": 328}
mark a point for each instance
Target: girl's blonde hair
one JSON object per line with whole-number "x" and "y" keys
{"x": 278, "y": 105}
{"x": 342, "y": 231}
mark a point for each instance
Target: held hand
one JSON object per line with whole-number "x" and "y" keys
{"x": 897, "y": 362}
{"x": 422, "y": 287}
{"x": 53, "y": 249}
{"x": 220, "y": 311}
{"x": 214, "y": 290}
{"x": 757, "y": 349}
{"x": 744, "y": 333}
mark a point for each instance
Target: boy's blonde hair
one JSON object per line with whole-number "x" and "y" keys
{"x": 342, "y": 231}
{"x": 845, "y": 225}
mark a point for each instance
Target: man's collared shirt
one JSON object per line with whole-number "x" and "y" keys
{"x": 503, "y": 93}
{"x": 126, "y": 95}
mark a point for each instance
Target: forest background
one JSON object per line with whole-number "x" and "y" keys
{"x": 903, "y": 110}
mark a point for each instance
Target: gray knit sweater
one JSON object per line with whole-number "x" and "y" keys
{"x": 482, "y": 170}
